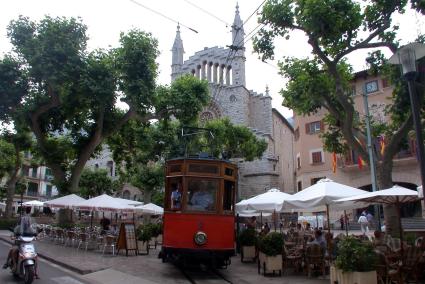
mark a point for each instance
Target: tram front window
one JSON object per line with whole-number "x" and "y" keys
{"x": 173, "y": 194}
{"x": 202, "y": 195}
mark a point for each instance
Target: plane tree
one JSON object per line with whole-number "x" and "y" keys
{"x": 67, "y": 96}
{"x": 335, "y": 29}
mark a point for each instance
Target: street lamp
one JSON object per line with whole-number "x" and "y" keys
{"x": 406, "y": 57}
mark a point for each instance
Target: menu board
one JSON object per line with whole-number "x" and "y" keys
{"x": 127, "y": 238}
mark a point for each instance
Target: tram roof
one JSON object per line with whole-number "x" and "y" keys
{"x": 197, "y": 158}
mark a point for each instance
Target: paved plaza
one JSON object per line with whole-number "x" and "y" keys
{"x": 97, "y": 268}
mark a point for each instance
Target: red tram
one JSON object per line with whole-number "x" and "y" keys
{"x": 199, "y": 215}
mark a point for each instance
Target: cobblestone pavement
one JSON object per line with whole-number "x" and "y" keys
{"x": 149, "y": 269}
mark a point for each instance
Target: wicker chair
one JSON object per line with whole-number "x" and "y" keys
{"x": 315, "y": 259}
{"x": 59, "y": 236}
{"x": 70, "y": 239}
{"x": 410, "y": 262}
{"x": 109, "y": 243}
{"x": 292, "y": 258}
{"x": 83, "y": 239}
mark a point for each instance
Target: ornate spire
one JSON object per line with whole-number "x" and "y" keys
{"x": 267, "y": 90}
{"x": 237, "y": 22}
{"x": 178, "y": 43}
{"x": 177, "y": 52}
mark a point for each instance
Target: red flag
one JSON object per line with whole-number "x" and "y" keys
{"x": 360, "y": 163}
{"x": 382, "y": 143}
{"x": 334, "y": 162}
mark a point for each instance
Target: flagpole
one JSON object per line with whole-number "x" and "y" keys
{"x": 370, "y": 150}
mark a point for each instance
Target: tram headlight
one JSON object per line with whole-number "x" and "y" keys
{"x": 200, "y": 238}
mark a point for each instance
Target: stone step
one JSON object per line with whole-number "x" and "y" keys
{"x": 407, "y": 223}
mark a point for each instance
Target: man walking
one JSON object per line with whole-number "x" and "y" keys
{"x": 369, "y": 218}
{"x": 363, "y": 223}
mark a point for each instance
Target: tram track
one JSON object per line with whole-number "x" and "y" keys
{"x": 203, "y": 274}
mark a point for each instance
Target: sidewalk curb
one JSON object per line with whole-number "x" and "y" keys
{"x": 55, "y": 261}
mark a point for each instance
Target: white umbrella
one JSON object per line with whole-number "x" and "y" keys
{"x": 67, "y": 201}
{"x": 150, "y": 208}
{"x": 394, "y": 195}
{"x": 323, "y": 195}
{"x": 104, "y": 202}
{"x": 128, "y": 201}
{"x": 270, "y": 201}
{"x": 33, "y": 203}
{"x": 250, "y": 213}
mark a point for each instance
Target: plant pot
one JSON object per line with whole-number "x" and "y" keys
{"x": 355, "y": 277}
{"x": 159, "y": 240}
{"x": 270, "y": 264}
{"x": 143, "y": 247}
{"x": 152, "y": 243}
{"x": 248, "y": 253}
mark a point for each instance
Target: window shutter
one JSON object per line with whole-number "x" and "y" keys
{"x": 322, "y": 125}
{"x": 307, "y": 128}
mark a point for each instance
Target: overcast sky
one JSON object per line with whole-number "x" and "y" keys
{"x": 107, "y": 18}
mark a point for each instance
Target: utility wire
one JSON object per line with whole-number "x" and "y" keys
{"x": 254, "y": 12}
{"x": 207, "y": 12}
{"x": 162, "y": 15}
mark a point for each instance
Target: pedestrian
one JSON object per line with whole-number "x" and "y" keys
{"x": 341, "y": 221}
{"x": 369, "y": 217}
{"x": 363, "y": 224}
{"x": 266, "y": 228}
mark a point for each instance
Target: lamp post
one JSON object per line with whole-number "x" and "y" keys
{"x": 406, "y": 57}
{"x": 370, "y": 151}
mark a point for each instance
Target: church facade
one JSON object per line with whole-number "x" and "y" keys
{"x": 224, "y": 69}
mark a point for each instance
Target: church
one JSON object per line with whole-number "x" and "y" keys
{"x": 224, "y": 69}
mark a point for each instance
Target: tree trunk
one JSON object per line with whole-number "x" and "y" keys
{"x": 11, "y": 183}
{"x": 65, "y": 216}
{"x": 384, "y": 180}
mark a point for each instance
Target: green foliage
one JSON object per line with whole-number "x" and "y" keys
{"x": 7, "y": 224}
{"x": 158, "y": 197}
{"x": 148, "y": 177}
{"x": 7, "y": 157}
{"x": 67, "y": 96}
{"x": 410, "y": 238}
{"x": 144, "y": 233}
{"x": 66, "y": 225}
{"x": 95, "y": 182}
{"x": 335, "y": 29}
{"x": 271, "y": 244}
{"x": 248, "y": 237}
{"x": 233, "y": 141}
{"x": 354, "y": 255}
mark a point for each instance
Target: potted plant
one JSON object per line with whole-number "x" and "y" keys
{"x": 270, "y": 255}
{"x": 144, "y": 234}
{"x": 159, "y": 233}
{"x": 155, "y": 231}
{"x": 355, "y": 263}
{"x": 247, "y": 241}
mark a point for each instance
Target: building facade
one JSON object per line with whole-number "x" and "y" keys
{"x": 38, "y": 180}
{"x": 224, "y": 69}
{"x": 105, "y": 161}
{"x": 312, "y": 163}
